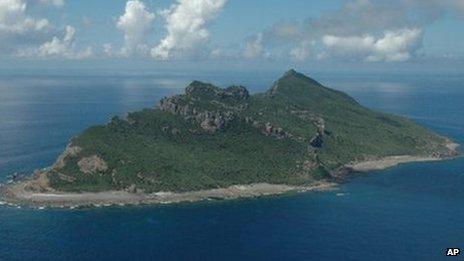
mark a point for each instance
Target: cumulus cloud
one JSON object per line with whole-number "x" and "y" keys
{"x": 393, "y": 46}
{"x": 58, "y": 48}
{"x": 186, "y": 28}
{"x": 15, "y": 23}
{"x": 358, "y": 22}
{"x": 136, "y": 23}
{"x": 26, "y": 36}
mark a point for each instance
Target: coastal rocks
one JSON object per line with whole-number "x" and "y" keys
{"x": 39, "y": 183}
{"x": 452, "y": 148}
{"x": 92, "y": 165}
{"x": 70, "y": 151}
{"x": 133, "y": 189}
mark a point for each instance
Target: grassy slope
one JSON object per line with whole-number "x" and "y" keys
{"x": 139, "y": 152}
{"x": 183, "y": 162}
{"x": 357, "y": 132}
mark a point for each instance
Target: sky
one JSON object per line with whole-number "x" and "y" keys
{"x": 340, "y": 35}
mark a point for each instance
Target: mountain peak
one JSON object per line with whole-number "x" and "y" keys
{"x": 291, "y": 72}
{"x": 294, "y": 74}
{"x": 293, "y": 82}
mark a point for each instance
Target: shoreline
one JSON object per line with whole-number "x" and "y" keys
{"x": 388, "y": 162}
{"x": 392, "y": 161}
{"x": 16, "y": 195}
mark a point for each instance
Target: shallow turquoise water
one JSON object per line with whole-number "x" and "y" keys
{"x": 411, "y": 212}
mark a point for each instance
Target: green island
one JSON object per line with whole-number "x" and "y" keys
{"x": 297, "y": 133}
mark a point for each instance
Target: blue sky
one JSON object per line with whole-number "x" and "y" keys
{"x": 184, "y": 34}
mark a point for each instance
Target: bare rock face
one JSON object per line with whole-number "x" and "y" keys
{"x": 210, "y": 121}
{"x": 131, "y": 189}
{"x": 229, "y": 101}
{"x": 237, "y": 92}
{"x": 70, "y": 151}
{"x": 268, "y": 129}
{"x": 92, "y": 165}
{"x": 213, "y": 121}
{"x": 40, "y": 182}
{"x": 278, "y": 132}
{"x": 199, "y": 90}
{"x": 174, "y": 105}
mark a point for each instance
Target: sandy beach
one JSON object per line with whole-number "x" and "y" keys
{"x": 18, "y": 195}
{"x": 388, "y": 162}
{"x": 391, "y": 161}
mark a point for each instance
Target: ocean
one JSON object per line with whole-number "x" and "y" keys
{"x": 410, "y": 212}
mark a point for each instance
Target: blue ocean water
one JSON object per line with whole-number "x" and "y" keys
{"x": 410, "y": 212}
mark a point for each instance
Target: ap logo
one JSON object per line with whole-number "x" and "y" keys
{"x": 453, "y": 252}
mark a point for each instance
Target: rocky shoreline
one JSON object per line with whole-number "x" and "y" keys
{"x": 348, "y": 171}
{"x": 391, "y": 161}
{"x": 17, "y": 195}
{"x": 20, "y": 194}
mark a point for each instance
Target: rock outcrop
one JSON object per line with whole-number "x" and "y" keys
{"x": 317, "y": 140}
{"x": 226, "y": 101}
{"x": 92, "y": 165}
{"x": 268, "y": 128}
{"x": 69, "y": 152}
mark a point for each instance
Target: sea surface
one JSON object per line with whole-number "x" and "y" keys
{"x": 410, "y": 212}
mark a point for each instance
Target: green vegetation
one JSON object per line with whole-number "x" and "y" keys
{"x": 295, "y": 133}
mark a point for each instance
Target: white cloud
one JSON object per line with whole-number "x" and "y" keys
{"x": 302, "y": 52}
{"x": 14, "y": 22}
{"x": 108, "y": 49}
{"x": 58, "y": 48}
{"x": 58, "y": 3}
{"x": 185, "y": 25}
{"x": 25, "y": 36}
{"x": 398, "y": 45}
{"x": 254, "y": 47}
{"x": 355, "y": 24}
{"x": 136, "y": 22}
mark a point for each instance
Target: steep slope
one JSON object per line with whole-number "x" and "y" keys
{"x": 296, "y": 133}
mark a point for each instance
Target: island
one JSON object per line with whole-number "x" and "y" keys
{"x": 215, "y": 143}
